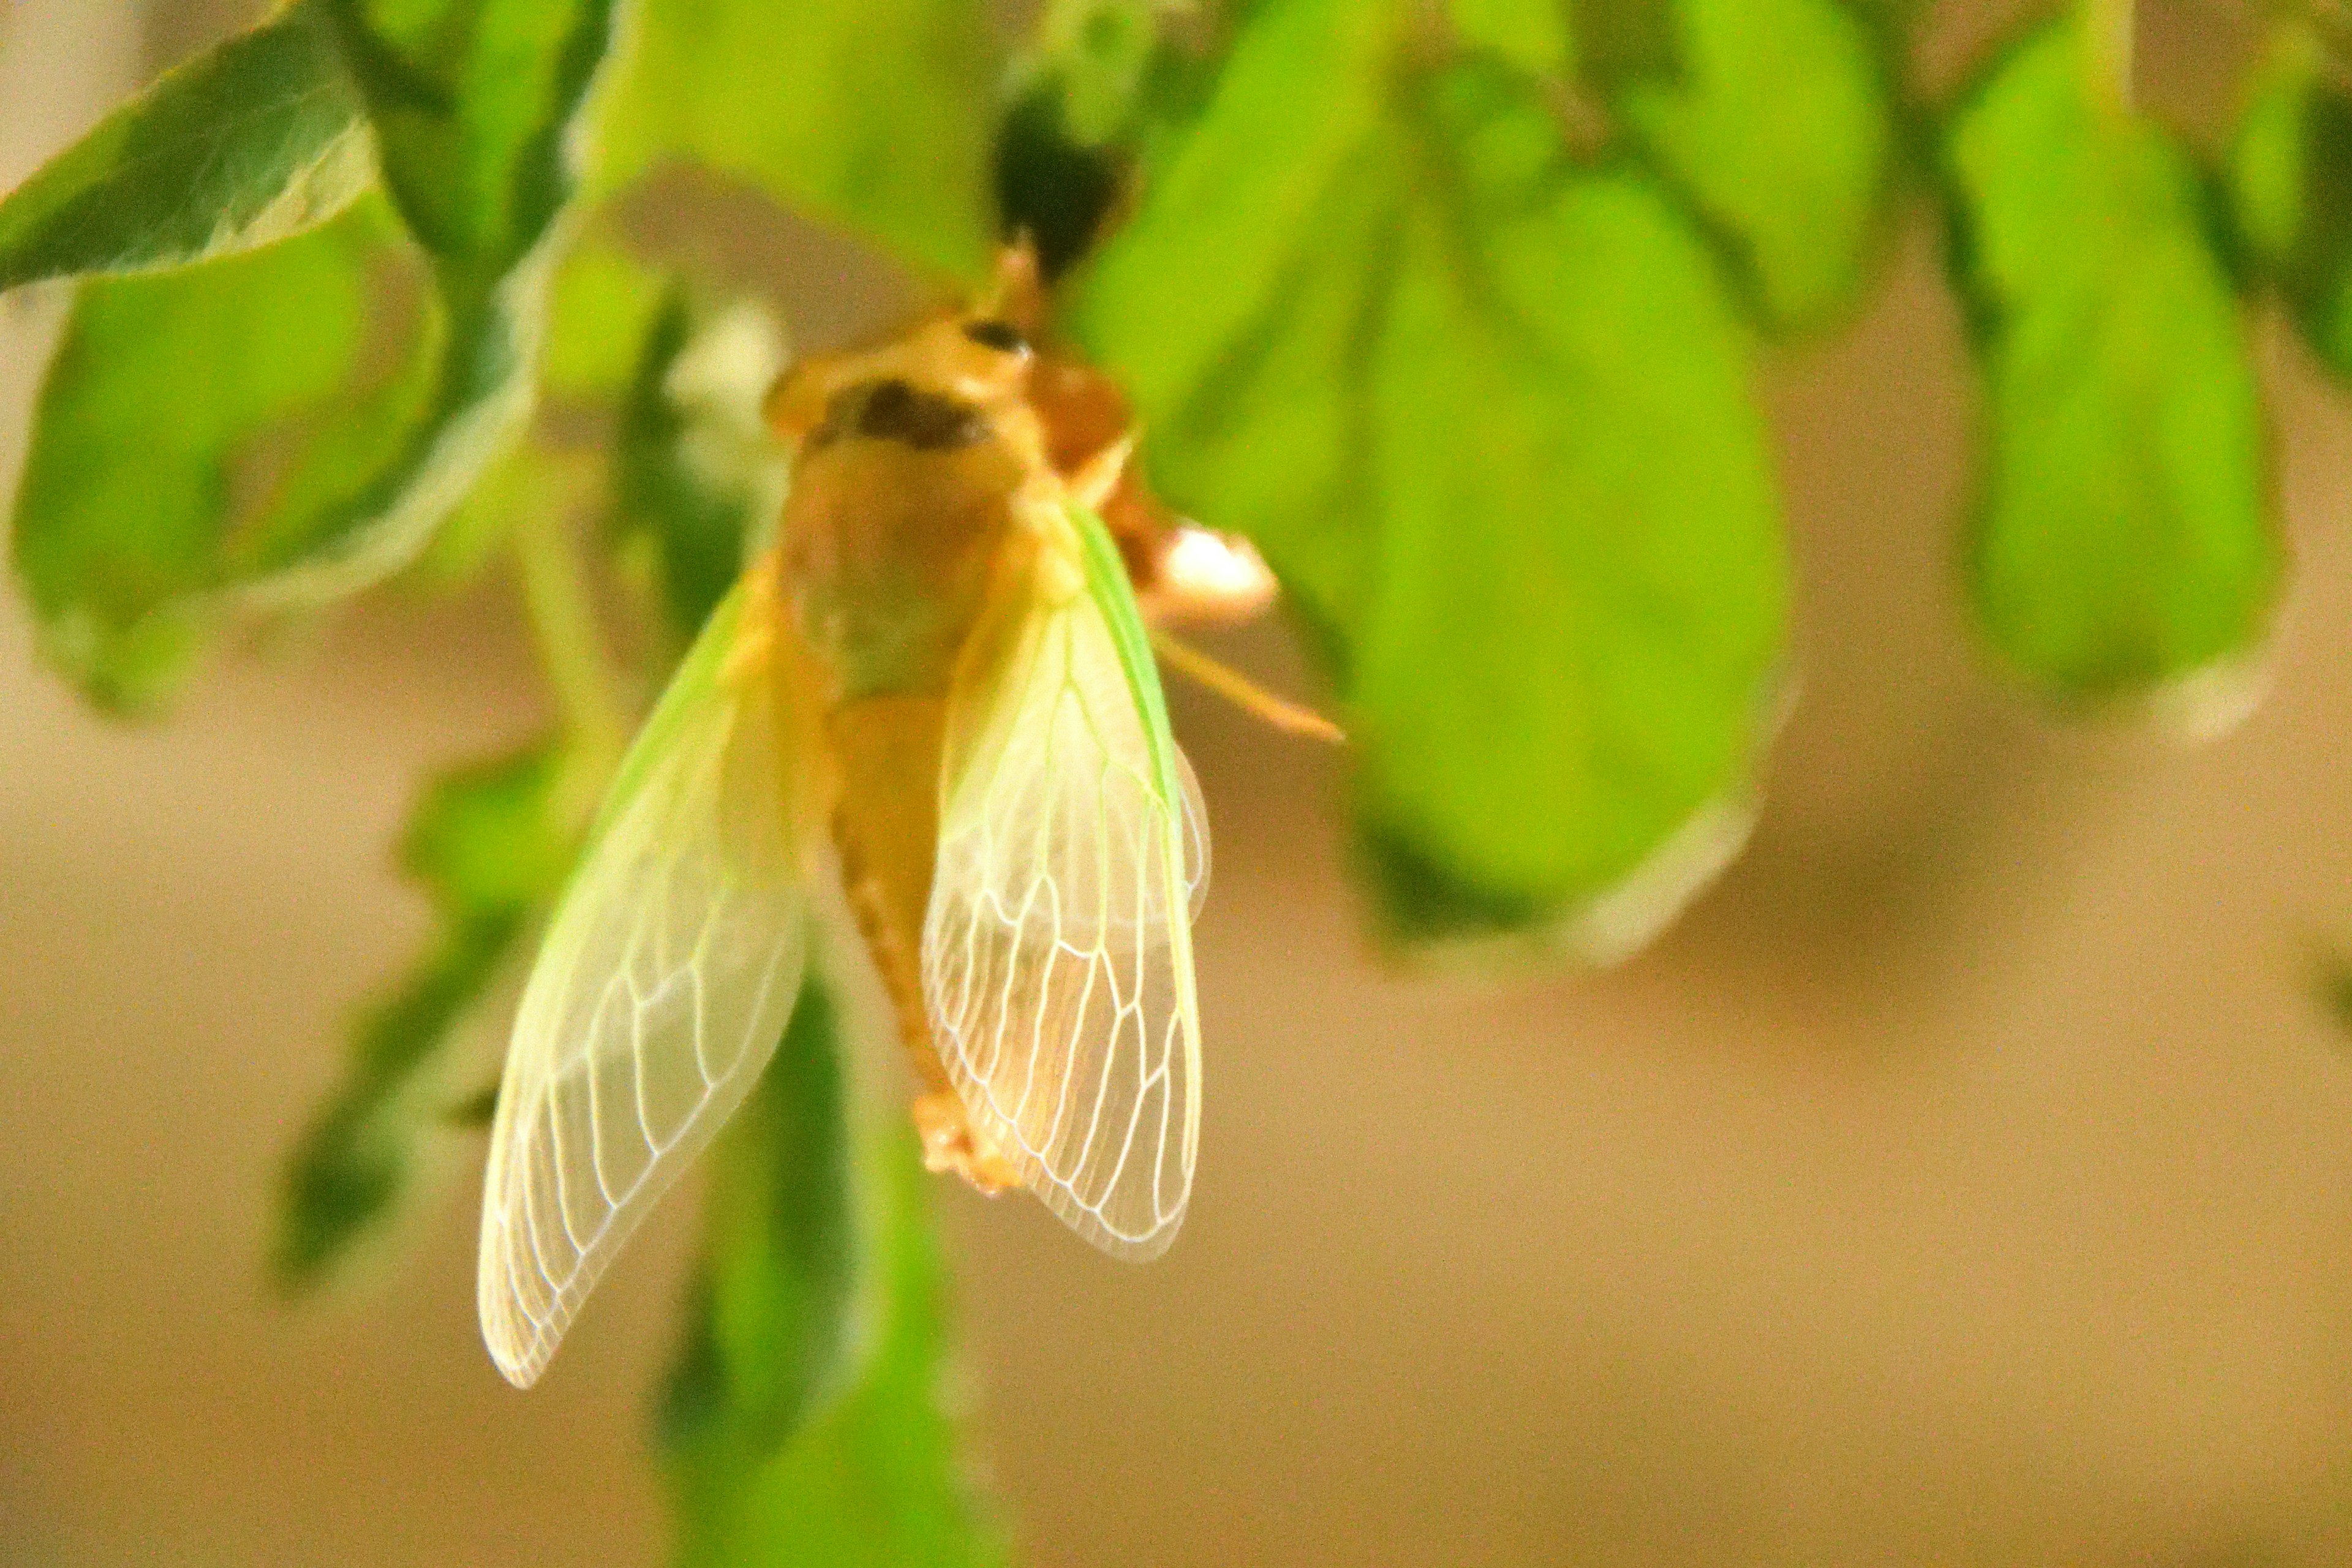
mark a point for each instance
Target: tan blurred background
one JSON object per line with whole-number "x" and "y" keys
{"x": 1967, "y": 1180}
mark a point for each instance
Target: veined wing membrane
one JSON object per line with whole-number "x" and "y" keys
{"x": 1058, "y": 953}
{"x": 665, "y": 982}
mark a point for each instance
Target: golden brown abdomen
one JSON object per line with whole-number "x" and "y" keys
{"x": 885, "y": 826}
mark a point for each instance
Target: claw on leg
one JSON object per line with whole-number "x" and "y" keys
{"x": 950, "y": 1144}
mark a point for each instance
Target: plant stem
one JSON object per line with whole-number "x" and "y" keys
{"x": 571, "y": 651}
{"x": 2107, "y": 28}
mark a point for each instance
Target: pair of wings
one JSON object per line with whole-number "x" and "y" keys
{"x": 1057, "y": 955}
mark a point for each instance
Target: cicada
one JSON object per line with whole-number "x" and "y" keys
{"x": 939, "y": 682}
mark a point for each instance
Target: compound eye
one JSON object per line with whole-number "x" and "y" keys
{"x": 1002, "y": 336}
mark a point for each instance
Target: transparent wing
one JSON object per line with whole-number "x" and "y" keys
{"x": 1196, "y": 836}
{"x": 667, "y": 978}
{"x": 1058, "y": 953}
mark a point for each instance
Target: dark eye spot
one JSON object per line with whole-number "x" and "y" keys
{"x": 1002, "y": 336}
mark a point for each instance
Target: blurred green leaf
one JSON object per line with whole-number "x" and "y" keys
{"x": 1777, "y": 127}
{"x": 1893, "y": 25}
{"x": 1487, "y": 413}
{"x": 1618, "y": 41}
{"x": 355, "y": 1164}
{"x": 489, "y": 845}
{"x": 1099, "y": 53}
{"x": 2125, "y": 538}
{"x": 781, "y": 1303}
{"x": 604, "y": 304}
{"x": 810, "y": 1420}
{"x": 259, "y": 139}
{"x": 529, "y": 478}
{"x": 1532, "y": 35}
{"x": 493, "y": 839}
{"x": 2292, "y": 185}
{"x": 876, "y": 115}
{"x": 696, "y": 470}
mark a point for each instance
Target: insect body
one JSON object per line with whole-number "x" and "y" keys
{"x": 941, "y": 670}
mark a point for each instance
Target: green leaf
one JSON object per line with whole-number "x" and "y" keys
{"x": 605, "y": 305}
{"x": 1100, "y": 54}
{"x": 781, "y": 1304}
{"x": 490, "y": 845}
{"x": 206, "y": 441}
{"x": 2292, "y": 185}
{"x": 2127, "y": 539}
{"x": 1620, "y": 41}
{"x": 1795, "y": 180}
{"x": 261, "y": 137}
{"x": 529, "y": 478}
{"x": 477, "y": 104}
{"x": 696, "y": 470}
{"x": 1532, "y": 35}
{"x": 357, "y": 1162}
{"x": 494, "y": 839}
{"x": 875, "y": 115}
{"x": 810, "y": 1419}
{"x": 160, "y": 389}
{"x": 1487, "y": 413}
{"x": 479, "y": 108}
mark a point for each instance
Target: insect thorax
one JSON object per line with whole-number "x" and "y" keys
{"x": 887, "y": 551}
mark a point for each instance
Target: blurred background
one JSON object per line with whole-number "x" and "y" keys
{"x": 1967, "y": 1179}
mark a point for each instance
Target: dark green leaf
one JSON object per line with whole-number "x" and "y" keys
{"x": 1102, "y": 85}
{"x": 876, "y": 115}
{"x": 1620, "y": 41}
{"x": 260, "y": 138}
{"x": 2126, "y": 538}
{"x": 810, "y": 1420}
{"x": 1052, "y": 187}
{"x": 490, "y": 845}
{"x": 780, "y": 1303}
{"x": 1487, "y": 413}
{"x": 2291, "y": 182}
{"x": 1777, "y": 128}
